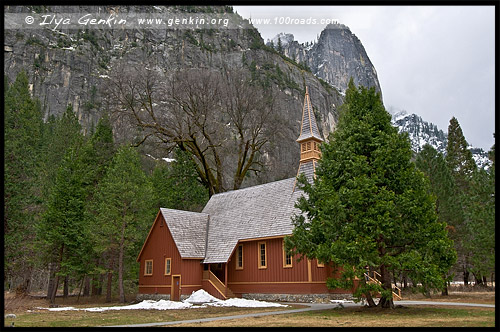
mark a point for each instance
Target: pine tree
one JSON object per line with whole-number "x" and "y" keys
{"x": 22, "y": 139}
{"x": 479, "y": 235}
{"x": 123, "y": 210}
{"x": 442, "y": 185}
{"x": 177, "y": 186}
{"x": 369, "y": 207}
{"x": 98, "y": 153}
{"x": 280, "y": 46}
{"x": 458, "y": 156}
{"x": 61, "y": 233}
{"x": 462, "y": 166}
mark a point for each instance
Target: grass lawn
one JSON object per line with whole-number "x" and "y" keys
{"x": 44, "y": 318}
{"x": 28, "y": 315}
{"x": 417, "y": 316}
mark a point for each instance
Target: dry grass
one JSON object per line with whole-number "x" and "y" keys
{"x": 368, "y": 317}
{"x": 470, "y": 297}
{"x": 418, "y": 316}
{"x": 44, "y": 318}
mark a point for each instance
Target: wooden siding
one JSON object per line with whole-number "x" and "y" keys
{"x": 160, "y": 245}
{"x": 303, "y": 277}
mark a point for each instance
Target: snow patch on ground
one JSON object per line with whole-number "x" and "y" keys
{"x": 199, "y": 297}
{"x": 341, "y": 301}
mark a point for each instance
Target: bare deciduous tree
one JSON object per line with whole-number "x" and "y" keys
{"x": 220, "y": 117}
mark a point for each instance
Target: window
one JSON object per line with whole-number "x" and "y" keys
{"x": 168, "y": 266}
{"x": 262, "y": 255}
{"x": 287, "y": 259}
{"x": 148, "y": 267}
{"x": 308, "y": 146}
{"x": 239, "y": 257}
{"x": 303, "y": 147}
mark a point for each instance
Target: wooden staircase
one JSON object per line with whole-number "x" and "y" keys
{"x": 396, "y": 291}
{"x": 219, "y": 285}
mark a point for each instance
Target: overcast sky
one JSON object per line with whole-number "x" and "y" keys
{"x": 434, "y": 61}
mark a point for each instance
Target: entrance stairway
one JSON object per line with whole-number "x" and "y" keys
{"x": 396, "y": 291}
{"x": 212, "y": 279}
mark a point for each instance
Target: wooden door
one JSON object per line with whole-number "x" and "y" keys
{"x": 176, "y": 288}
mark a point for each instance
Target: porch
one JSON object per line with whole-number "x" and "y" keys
{"x": 214, "y": 280}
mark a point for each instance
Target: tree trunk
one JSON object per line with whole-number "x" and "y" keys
{"x": 485, "y": 282}
{"x": 466, "y": 277}
{"x": 120, "y": 265}
{"x": 405, "y": 283}
{"x": 478, "y": 279}
{"x": 385, "y": 275}
{"x": 56, "y": 283}
{"x": 52, "y": 279}
{"x": 101, "y": 282}
{"x": 444, "y": 292}
{"x": 386, "y": 285}
{"x": 54, "y": 291}
{"x": 86, "y": 286}
{"x": 110, "y": 279}
{"x": 65, "y": 289}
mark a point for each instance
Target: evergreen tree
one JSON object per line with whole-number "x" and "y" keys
{"x": 479, "y": 235}
{"x": 280, "y": 46}
{"x": 458, "y": 156}
{"x": 98, "y": 153}
{"x": 462, "y": 166}
{"x": 177, "y": 185}
{"x": 22, "y": 128}
{"x": 58, "y": 136}
{"x": 61, "y": 233}
{"x": 123, "y": 211}
{"x": 369, "y": 207}
{"x": 442, "y": 185}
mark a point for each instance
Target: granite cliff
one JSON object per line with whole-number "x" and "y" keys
{"x": 68, "y": 65}
{"x": 335, "y": 57}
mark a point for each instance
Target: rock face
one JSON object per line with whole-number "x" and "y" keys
{"x": 335, "y": 57}
{"x": 68, "y": 66}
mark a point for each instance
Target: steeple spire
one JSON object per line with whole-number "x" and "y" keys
{"x": 309, "y": 140}
{"x": 308, "y": 126}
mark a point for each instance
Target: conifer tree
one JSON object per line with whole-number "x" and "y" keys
{"x": 458, "y": 156}
{"x": 280, "y": 46}
{"x": 369, "y": 207}
{"x": 22, "y": 132}
{"x": 61, "y": 233}
{"x": 123, "y": 211}
{"x": 462, "y": 166}
{"x": 177, "y": 186}
{"x": 442, "y": 185}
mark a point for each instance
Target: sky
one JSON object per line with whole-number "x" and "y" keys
{"x": 434, "y": 61}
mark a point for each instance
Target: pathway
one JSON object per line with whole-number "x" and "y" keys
{"x": 312, "y": 306}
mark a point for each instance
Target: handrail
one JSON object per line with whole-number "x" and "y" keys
{"x": 219, "y": 284}
{"x": 398, "y": 294}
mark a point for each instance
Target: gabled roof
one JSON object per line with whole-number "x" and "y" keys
{"x": 308, "y": 126}
{"x": 255, "y": 212}
{"x": 189, "y": 231}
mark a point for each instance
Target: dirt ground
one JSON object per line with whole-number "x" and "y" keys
{"x": 470, "y": 297}
{"x": 17, "y": 304}
{"x": 363, "y": 317}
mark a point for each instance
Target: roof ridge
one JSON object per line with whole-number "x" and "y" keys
{"x": 251, "y": 187}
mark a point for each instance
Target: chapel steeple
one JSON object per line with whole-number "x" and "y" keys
{"x": 309, "y": 140}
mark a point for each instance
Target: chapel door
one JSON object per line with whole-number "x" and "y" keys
{"x": 176, "y": 288}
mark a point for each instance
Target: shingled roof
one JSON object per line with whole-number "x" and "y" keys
{"x": 189, "y": 231}
{"x": 308, "y": 127}
{"x": 255, "y": 212}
